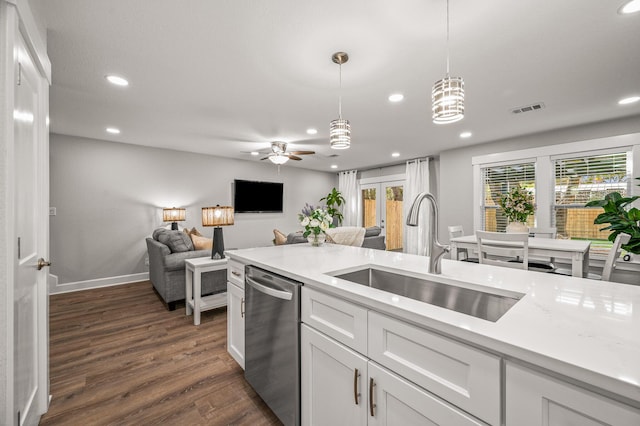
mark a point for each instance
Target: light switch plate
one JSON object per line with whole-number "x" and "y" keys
{"x": 52, "y": 211}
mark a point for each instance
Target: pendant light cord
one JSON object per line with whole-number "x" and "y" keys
{"x": 340, "y": 93}
{"x": 447, "y": 37}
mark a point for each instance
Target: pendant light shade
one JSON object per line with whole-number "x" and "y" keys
{"x": 278, "y": 159}
{"x": 447, "y": 95}
{"x": 447, "y": 99}
{"x": 340, "y": 129}
{"x": 340, "y": 133}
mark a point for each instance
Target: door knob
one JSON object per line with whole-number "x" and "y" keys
{"x": 42, "y": 263}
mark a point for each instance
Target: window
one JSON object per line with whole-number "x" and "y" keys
{"x": 498, "y": 180}
{"x": 579, "y": 180}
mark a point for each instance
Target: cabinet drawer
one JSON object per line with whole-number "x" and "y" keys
{"x": 534, "y": 399}
{"x": 235, "y": 273}
{"x": 467, "y": 377}
{"x": 344, "y": 321}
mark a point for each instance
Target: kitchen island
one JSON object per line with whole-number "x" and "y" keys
{"x": 575, "y": 336}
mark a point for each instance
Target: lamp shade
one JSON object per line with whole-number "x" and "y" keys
{"x": 217, "y": 216}
{"x": 447, "y": 99}
{"x": 174, "y": 215}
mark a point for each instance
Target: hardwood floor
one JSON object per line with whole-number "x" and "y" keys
{"x": 118, "y": 357}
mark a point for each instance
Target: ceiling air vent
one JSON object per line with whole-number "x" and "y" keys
{"x": 532, "y": 107}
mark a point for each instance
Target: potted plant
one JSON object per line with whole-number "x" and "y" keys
{"x": 517, "y": 205}
{"x": 315, "y": 221}
{"x": 620, "y": 217}
{"x": 333, "y": 200}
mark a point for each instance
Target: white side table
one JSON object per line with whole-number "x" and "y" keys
{"x": 194, "y": 268}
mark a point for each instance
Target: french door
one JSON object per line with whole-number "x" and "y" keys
{"x": 382, "y": 206}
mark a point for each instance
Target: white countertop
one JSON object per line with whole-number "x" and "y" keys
{"x": 585, "y": 329}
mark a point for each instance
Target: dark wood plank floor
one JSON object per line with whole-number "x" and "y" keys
{"x": 118, "y": 357}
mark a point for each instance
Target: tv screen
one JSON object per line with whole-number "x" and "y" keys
{"x": 257, "y": 197}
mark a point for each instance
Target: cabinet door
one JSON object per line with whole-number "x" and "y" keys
{"x": 333, "y": 382}
{"x": 235, "y": 323}
{"x": 400, "y": 402}
{"x": 534, "y": 399}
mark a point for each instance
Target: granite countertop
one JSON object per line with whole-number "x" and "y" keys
{"x": 584, "y": 329}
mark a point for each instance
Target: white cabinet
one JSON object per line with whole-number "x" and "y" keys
{"x": 340, "y": 386}
{"x": 235, "y": 311}
{"x": 463, "y": 375}
{"x": 333, "y": 387}
{"x": 535, "y": 399}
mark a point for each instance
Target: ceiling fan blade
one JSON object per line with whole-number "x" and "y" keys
{"x": 265, "y": 157}
{"x": 302, "y": 152}
{"x": 293, "y": 157}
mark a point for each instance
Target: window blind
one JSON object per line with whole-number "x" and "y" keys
{"x": 498, "y": 180}
{"x": 580, "y": 180}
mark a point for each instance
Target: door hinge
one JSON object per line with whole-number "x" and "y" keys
{"x": 19, "y": 256}
{"x": 19, "y": 73}
{"x": 18, "y": 417}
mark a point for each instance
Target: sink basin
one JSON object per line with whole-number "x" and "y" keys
{"x": 480, "y": 304}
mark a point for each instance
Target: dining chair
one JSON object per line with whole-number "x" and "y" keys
{"x": 541, "y": 265}
{"x": 458, "y": 231}
{"x": 610, "y": 261}
{"x": 504, "y": 249}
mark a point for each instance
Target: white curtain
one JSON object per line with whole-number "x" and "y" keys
{"x": 417, "y": 181}
{"x": 348, "y": 187}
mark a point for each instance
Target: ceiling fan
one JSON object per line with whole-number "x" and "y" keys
{"x": 279, "y": 154}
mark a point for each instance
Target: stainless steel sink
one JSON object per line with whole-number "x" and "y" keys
{"x": 480, "y": 304}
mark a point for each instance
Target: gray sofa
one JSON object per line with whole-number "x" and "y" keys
{"x": 167, "y": 252}
{"x": 372, "y": 238}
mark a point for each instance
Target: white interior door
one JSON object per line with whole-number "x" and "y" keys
{"x": 31, "y": 195}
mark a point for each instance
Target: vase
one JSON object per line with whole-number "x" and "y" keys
{"x": 517, "y": 227}
{"x": 316, "y": 240}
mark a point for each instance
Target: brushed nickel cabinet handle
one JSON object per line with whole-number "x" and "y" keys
{"x": 356, "y": 374}
{"x": 242, "y": 308}
{"x": 42, "y": 263}
{"x": 371, "y": 404}
{"x": 237, "y": 274}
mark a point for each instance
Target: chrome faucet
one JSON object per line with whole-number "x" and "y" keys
{"x": 436, "y": 250}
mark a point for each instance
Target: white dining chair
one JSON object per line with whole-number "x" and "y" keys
{"x": 503, "y": 248}
{"x": 541, "y": 265}
{"x": 458, "y": 231}
{"x": 610, "y": 261}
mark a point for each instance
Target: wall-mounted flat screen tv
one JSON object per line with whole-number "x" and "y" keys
{"x": 251, "y": 196}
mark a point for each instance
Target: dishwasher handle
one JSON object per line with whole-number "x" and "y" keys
{"x": 268, "y": 290}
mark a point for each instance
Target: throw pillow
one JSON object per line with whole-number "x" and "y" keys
{"x": 372, "y": 231}
{"x": 178, "y": 242}
{"x": 201, "y": 243}
{"x": 280, "y": 237}
{"x": 194, "y": 231}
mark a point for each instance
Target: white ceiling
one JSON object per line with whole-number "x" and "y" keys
{"x": 226, "y": 77}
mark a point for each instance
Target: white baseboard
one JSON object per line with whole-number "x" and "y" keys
{"x": 55, "y": 288}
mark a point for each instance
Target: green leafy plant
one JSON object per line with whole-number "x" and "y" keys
{"x": 517, "y": 204}
{"x": 334, "y": 200}
{"x": 315, "y": 220}
{"x": 620, "y": 218}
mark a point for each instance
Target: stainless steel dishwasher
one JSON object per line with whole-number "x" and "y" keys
{"x": 272, "y": 341}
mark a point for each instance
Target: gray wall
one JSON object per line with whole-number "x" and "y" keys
{"x": 109, "y": 197}
{"x": 456, "y": 174}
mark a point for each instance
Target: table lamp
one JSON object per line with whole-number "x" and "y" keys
{"x": 174, "y": 216}
{"x": 217, "y": 216}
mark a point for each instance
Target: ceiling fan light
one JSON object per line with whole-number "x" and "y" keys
{"x": 447, "y": 98}
{"x": 340, "y": 133}
{"x": 279, "y": 159}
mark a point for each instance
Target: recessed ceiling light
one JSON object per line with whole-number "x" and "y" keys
{"x": 629, "y": 100}
{"x": 396, "y": 97}
{"x": 465, "y": 134}
{"x": 117, "y": 80}
{"x": 395, "y": 154}
{"x": 334, "y": 166}
{"x": 255, "y": 153}
{"x": 113, "y": 130}
{"x": 632, "y": 6}
{"x": 312, "y": 131}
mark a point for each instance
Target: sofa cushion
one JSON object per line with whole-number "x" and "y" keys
{"x": 296, "y": 238}
{"x": 201, "y": 243}
{"x": 280, "y": 238}
{"x": 372, "y": 231}
{"x": 177, "y": 241}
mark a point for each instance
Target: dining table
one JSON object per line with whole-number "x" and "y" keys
{"x": 575, "y": 251}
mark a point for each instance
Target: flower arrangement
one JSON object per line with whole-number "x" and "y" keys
{"x": 517, "y": 204}
{"x": 315, "y": 220}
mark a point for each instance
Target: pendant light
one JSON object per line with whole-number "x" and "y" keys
{"x": 340, "y": 129}
{"x": 447, "y": 96}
